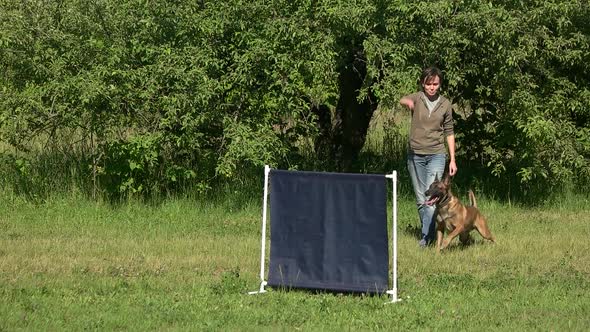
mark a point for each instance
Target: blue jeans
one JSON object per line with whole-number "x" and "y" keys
{"x": 423, "y": 168}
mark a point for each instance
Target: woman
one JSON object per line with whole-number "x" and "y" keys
{"x": 432, "y": 122}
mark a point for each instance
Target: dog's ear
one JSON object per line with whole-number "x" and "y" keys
{"x": 447, "y": 179}
{"x": 436, "y": 177}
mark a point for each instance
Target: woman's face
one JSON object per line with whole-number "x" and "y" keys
{"x": 431, "y": 85}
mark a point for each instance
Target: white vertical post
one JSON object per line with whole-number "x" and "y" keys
{"x": 263, "y": 237}
{"x": 393, "y": 291}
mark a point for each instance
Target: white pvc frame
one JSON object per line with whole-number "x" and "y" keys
{"x": 393, "y": 291}
{"x": 263, "y": 283}
{"x": 263, "y": 241}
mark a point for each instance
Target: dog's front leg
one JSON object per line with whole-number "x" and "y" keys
{"x": 458, "y": 230}
{"x": 440, "y": 228}
{"x": 439, "y": 236}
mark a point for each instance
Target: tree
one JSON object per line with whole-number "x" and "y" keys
{"x": 517, "y": 70}
{"x": 154, "y": 95}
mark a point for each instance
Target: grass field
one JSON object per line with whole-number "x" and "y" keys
{"x": 68, "y": 263}
{"x": 71, "y": 264}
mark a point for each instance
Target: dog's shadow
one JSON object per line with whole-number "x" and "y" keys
{"x": 470, "y": 243}
{"x": 414, "y": 231}
{"x": 460, "y": 246}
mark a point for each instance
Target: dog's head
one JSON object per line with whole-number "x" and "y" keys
{"x": 438, "y": 190}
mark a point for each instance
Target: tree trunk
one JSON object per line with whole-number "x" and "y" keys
{"x": 343, "y": 132}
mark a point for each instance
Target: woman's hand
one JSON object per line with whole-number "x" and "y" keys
{"x": 452, "y": 168}
{"x": 409, "y": 103}
{"x": 451, "y": 146}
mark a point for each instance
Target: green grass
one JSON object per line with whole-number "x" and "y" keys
{"x": 71, "y": 264}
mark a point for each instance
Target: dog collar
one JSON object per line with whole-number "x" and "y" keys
{"x": 444, "y": 200}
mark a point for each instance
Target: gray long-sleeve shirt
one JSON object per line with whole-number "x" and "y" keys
{"x": 429, "y": 128}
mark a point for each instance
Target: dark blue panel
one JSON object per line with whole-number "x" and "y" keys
{"x": 328, "y": 231}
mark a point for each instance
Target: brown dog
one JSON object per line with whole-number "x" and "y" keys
{"x": 457, "y": 218}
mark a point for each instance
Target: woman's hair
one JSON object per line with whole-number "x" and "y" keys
{"x": 429, "y": 73}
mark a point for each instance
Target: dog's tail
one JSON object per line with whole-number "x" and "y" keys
{"x": 472, "y": 198}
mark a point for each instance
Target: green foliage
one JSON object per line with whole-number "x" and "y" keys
{"x": 130, "y": 165}
{"x": 519, "y": 73}
{"x": 155, "y": 94}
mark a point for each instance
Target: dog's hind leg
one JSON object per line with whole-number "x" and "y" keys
{"x": 482, "y": 228}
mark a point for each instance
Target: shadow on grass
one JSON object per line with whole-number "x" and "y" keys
{"x": 313, "y": 291}
{"x": 414, "y": 231}
{"x": 457, "y": 246}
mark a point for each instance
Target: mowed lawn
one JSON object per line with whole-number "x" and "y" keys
{"x": 71, "y": 264}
